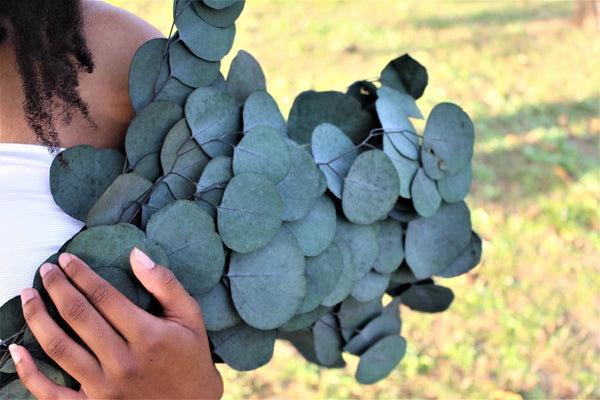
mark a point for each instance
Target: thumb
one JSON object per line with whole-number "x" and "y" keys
{"x": 176, "y": 303}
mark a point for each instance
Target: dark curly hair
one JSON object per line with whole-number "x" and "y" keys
{"x": 50, "y": 50}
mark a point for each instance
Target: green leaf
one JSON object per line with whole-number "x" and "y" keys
{"x": 371, "y": 188}
{"x": 222, "y": 17}
{"x": 390, "y": 237}
{"x": 455, "y": 188}
{"x": 432, "y": 243}
{"x": 334, "y": 153}
{"x": 315, "y": 231}
{"x": 250, "y": 214}
{"x": 370, "y": 286}
{"x": 311, "y": 109}
{"x": 303, "y": 321}
{"x": 375, "y": 330}
{"x": 363, "y": 91}
{"x": 245, "y": 77}
{"x": 394, "y": 109}
{"x": 195, "y": 251}
{"x": 405, "y": 167}
{"x": 362, "y": 241}
{"x": 219, "y": 4}
{"x": 354, "y": 315}
{"x": 161, "y": 196}
{"x": 212, "y": 183}
{"x": 346, "y": 280}
{"x": 148, "y": 71}
{"x": 380, "y": 359}
{"x": 425, "y": 195}
{"x": 268, "y": 285}
{"x": 322, "y": 273}
{"x": 217, "y": 308}
{"x": 468, "y": 259}
{"x": 190, "y": 69}
{"x": 149, "y": 167}
{"x": 449, "y": 136}
{"x": 261, "y": 109}
{"x": 11, "y": 315}
{"x": 208, "y": 42}
{"x": 428, "y": 298}
{"x": 120, "y": 202}
{"x": 406, "y": 75}
{"x": 80, "y": 174}
{"x": 328, "y": 342}
{"x": 148, "y": 129}
{"x": 243, "y": 347}
{"x": 214, "y": 120}
{"x": 299, "y": 189}
{"x": 262, "y": 150}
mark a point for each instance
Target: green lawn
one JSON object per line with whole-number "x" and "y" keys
{"x": 526, "y": 322}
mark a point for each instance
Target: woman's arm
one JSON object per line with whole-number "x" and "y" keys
{"x": 135, "y": 354}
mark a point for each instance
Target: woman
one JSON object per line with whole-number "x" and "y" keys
{"x": 63, "y": 81}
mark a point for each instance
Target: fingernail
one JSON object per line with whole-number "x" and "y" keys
{"x": 15, "y": 353}
{"x": 64, "y": 259}
{"x": 26, "y": 295}
{"x": 45, "y": 268}
{"x": 143, "y": 259}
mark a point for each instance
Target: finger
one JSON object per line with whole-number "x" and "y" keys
{"x": 116, "y": 309}
{"x": 77, "y": 311}
{"x": 176, "y": 303}
{"x": 73, "y": 358}
{"x": 35, "y": 381}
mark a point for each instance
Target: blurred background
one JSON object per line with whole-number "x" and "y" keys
{"x": 526, "y": 322}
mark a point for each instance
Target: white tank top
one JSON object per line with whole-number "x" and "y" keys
{"x": 32, "y": 226}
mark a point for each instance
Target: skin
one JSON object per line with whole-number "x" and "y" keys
{"x": 135, "y": 354}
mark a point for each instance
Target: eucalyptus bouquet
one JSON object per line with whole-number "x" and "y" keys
{"x": 299, "y": 229}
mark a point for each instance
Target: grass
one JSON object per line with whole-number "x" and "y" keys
{"x": 526, "y": 322}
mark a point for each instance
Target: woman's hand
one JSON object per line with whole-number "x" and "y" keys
{"x": 135, "y": 354}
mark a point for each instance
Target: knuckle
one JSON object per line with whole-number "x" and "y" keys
{"x": 128, "y": 370}
{"x": 168, "y": 279}
{"x": 77, "y": 311}
{"x": 100, "y": 295}
{"x": 57, "y": 348}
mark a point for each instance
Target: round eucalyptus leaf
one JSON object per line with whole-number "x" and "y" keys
{"x": 214, "y": 120}
{"x": 315, "y": 231}
{"x": 394, "y": 109}
{"x": 304, "y": 342}
{"x": 404, "y": 211}
{"x": 148, "y": 69}
{"x": 120, "y": 202}
{"x": 174, "y": 91}
{"x": 322, "y": 183}
{"x": 262, "y": 150}
{"x": 406, "y": 168}
{"x": 380, "y": 359}
{"x": 425, "y": 195}
{"x": 250, "y": 213}
{"x": 371, "y": 286}
{"x": 432, "y": 243}
{"x": 304, "y": 321}
{"x": 11, "y": 315}
{"x": 428, "y": 298}
{"x": 371, "y": 188}
{"x": 148, "y": 129}
{"x": 354, "y": 315}
{"x": 391, "y": 246}
{"x": 79, "y": 176}
{"x": 311, "y": 109}
{"x": 455, "y": 188}
{"x": 299, "y": 189}
{"x": 161, "y": 196}
{"x": 245, "y": 77}
{"x": 190, "y": 69}
{"x": 449, "y": 136}
{"x": 261, "y": 109}
{"x": 468, "y": 259}
{"x": 322, "y": 274}
{"x": 328, "y": 342}
{"x": 346, "y": 280}
{"x": 378, "y": 328}
{"x": 405, "y": 74}
{"x": 363, "y": 91}
{"x": 217, "y": 308}
{"x": 243, "y": 347}
{"x": 362, "y": 241}
{"x": 430, "y": 165}
{"x": 195, "y": 251}
{"x": 211, "y": 186}
{"x": 222, "y": 17}
{"x": 334, "y": 153}
{"x": 208, "y": 42}
{"x": 149, "y": 167}
{"x": 219, "y": 4}
{"x": 268, "y": 285}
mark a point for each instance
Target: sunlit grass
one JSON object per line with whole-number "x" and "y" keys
{"x": 527, "y": 320}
